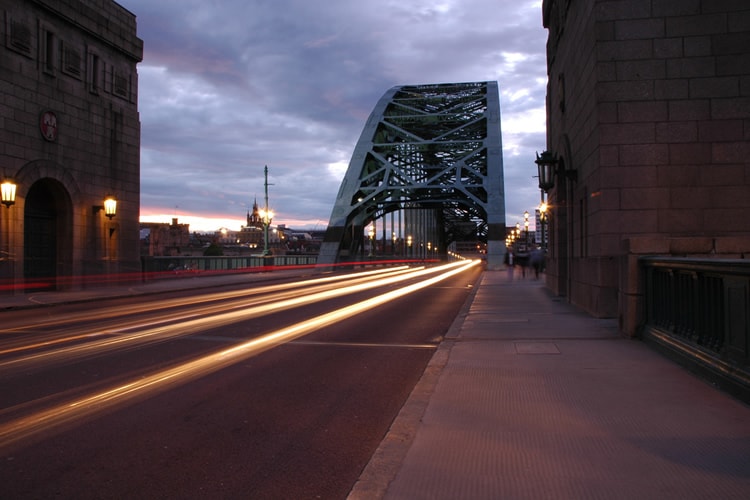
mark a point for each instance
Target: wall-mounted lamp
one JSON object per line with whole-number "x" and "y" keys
{"x": 109, "y": 207}
{"x": 548, "y": 166}
{"x": 8, "y": 191}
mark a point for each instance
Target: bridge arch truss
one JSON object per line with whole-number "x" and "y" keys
{"x": 429, "y": 161}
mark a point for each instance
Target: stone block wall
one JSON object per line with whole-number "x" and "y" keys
{"x": 69, "y": 119}
{"x": 657, "y": 122}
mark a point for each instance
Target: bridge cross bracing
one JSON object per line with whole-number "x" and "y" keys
{"x": 431, "y": 153}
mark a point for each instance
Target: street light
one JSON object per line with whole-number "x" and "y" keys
{"x": 265, "y": 214}
{"x": 548, "y": 165}
{"x": 526, "y": 226}
{"x": 8, "y": 189}
{"x": 266, "y": 217}
{"x": 110, "y": 206}
{"x": 371, "y": 234}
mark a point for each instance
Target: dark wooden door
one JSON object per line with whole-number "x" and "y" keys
{"x": 40, "y": 239}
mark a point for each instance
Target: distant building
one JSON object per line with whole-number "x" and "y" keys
{"x": 648, "y": 106}
{"x": 298, "y": 242}
{"x": 69, "y": 137}
{"x": 167, "y": 239}
{"x": 252, "y": 234}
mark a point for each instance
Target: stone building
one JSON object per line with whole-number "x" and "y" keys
{"x": 69, "y": 138}
{"x": 648, "y": 111}
{"x": 253, "y": 233}
{"x": 167, "y": 239}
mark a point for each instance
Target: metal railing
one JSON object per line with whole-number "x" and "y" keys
{"x": 158, "y": 266}
{"x": 701, "y": 307}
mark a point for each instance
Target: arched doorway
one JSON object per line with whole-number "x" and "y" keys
{"x": 46, "y": 234}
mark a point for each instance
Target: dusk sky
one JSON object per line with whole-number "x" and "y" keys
{"x": 229, "y": 86}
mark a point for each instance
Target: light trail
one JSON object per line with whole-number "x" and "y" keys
{"x": 124, "y": 338}
{"x": 285, "y": 290}
{"x": 70, "y": 412}
{"x": 199, "y": 299}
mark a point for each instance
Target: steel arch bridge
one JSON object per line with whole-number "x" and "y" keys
{"x": 430, "y": 156}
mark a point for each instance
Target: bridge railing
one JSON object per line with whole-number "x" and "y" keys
{"x": 158, "y": 267}
{"x": 698, "y": 311}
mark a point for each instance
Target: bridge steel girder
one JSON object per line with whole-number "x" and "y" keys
{"x": 426, "y": 147}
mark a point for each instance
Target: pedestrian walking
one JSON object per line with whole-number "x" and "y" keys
{"x": 509, "y": 264}
{"x": 537, "y": 261}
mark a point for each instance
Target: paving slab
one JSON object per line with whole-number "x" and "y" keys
{"x": 529, "y": 398}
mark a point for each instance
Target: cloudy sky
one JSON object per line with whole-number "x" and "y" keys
{"x": 229, "y": 86}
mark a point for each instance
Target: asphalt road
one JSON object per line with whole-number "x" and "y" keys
{"x": 153, "y": 398}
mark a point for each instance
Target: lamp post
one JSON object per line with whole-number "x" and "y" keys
{"x": 543, "y": 219}
{"x": 371, "y": 234}
{"x": 526, "y": 227}
{"x": 266, "y": 215}
{"x": 550, "y": 167}
{"x": 8, "y": 191}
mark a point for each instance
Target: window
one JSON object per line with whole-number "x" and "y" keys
{"x": 94, "y": 72}
{"x": 19, "y": 36}
{"x": 48, "y": 50}
{"x": 120, "y": 84}
{"x": 71, "y": 60}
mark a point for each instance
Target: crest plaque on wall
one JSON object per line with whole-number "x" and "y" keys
{"x": 48, "y": 125}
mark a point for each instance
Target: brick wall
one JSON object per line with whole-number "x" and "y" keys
{"x": 664, "y": 153}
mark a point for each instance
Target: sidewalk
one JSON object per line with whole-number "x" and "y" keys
{"x": 528, "y": 398}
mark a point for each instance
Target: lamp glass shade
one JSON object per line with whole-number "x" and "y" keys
{"x": 266, "y": 215}
{"x": 110, "y": 206}
{"x": 8, "y": 190}
{"x": 546, "y": 163}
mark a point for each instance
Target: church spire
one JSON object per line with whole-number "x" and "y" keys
{"x": 254, "y": 219}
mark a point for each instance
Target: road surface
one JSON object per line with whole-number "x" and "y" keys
{"x": 279, "y": 390}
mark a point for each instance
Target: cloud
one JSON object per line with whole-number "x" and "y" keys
{"x": 229, "y": 86}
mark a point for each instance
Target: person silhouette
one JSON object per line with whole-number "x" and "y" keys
{"x": 509, "y": 264}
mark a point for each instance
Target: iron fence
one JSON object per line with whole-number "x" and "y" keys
{"x": 157, "y": 267}
{"x": 702, "y": 308}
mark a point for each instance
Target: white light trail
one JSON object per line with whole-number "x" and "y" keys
{"x": 287, "y": 295}
{"x": 70, "y": 412}
{"x": 198, "y": 299}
